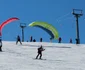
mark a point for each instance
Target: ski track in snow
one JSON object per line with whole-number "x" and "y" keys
{"x": 58, "y": 56}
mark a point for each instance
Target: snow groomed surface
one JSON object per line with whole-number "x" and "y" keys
{"x": 58, "y": 56}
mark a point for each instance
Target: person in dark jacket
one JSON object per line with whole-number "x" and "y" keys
{"x": 59, "y": 40}
{"x": 70, "y": 40}
{"x": 0, "y": 45}
{"x": 40, "y": 49}
{"x": 18, "y": 39}
{"x": 40, "y": 39}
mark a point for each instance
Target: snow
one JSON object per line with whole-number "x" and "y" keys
{"x": 58, "y": 56}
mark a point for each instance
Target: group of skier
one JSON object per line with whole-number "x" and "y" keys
{"x": 60, "y": 39}
{"x": 33, "y": 40}
{"x": 40, "y": 49}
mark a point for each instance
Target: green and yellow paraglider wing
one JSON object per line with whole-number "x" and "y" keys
{"x": 47, "y": 27}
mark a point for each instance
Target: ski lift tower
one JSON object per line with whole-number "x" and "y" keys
{"x": 77, "y": 13}
{"x": 22, "y": 25}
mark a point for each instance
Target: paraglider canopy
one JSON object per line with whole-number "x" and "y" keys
{"x": 51, "y": 30}
{"x": 6, "y": 22}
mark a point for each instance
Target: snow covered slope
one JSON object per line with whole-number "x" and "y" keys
{"x": 58, "y": 56}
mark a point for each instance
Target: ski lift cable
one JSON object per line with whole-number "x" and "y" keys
{"x": 68, "y": 18}
{"x": 63, "y": 16}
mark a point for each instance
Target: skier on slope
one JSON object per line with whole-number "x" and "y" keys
{"x": 40, "y": 49}
{"x": 18, "y": 40}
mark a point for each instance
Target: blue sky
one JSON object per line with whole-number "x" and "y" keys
{"x": 55, "y": 12}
